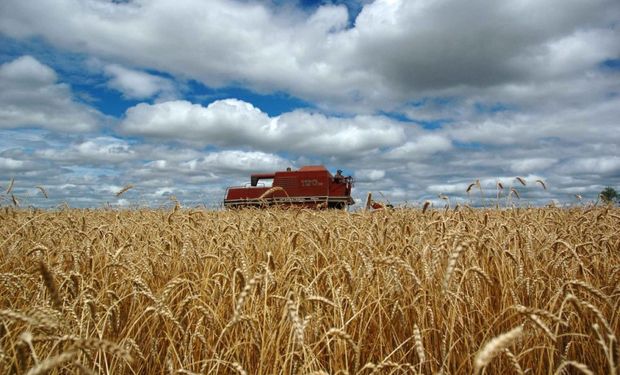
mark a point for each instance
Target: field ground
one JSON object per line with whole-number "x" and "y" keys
{"x": 280, "y": 292}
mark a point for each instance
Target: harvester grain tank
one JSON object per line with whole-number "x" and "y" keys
{"x": 310, "y": 186}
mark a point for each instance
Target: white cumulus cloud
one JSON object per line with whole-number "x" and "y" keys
{"x": 98, "y": 150}
{"x": 234, "y": 161}
{"x": 31, "y": 97}
{"x": 135, "y": 84}
{"x": 528, "y": 165}
{"x": 369, "y": 175}
{"x": 393, "y": 51}
{"x": 232, "y": 122}
{"x": 8, "y": 164}
{"x": 421, "y": 146}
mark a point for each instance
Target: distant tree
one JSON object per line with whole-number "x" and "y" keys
{"x": 609, "y": 195}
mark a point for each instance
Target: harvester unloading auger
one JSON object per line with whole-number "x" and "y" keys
{"x": 310, "y": 187}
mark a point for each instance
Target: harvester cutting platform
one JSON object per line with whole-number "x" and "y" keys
{"x": 309, "y": 187}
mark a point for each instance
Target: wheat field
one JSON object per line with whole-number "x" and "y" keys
{"x": 188, "y": 291}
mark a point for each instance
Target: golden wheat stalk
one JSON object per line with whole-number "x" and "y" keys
{"x": 53, "y": 362}
{"x": 578, "y": 365}
{"x": 317, "y": 270}
{"x": 10, "y": 187}
{"x": 43, "y": 191}
{"x": 15, "y": 200}
{"x": 271, "y": 191}
{"x": 124, "y": 189}
{"x": 452, "y": 259}
{"x": 469, "y": 187}
{"x": 515, "y": 192}
{"x": 426, "y": 206}
{"x": 493, "y": 347}
{"x": 418, "y": 344}
{"x": 50, "y": 284}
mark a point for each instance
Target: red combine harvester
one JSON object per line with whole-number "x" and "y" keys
{"x": 310, "y": 187}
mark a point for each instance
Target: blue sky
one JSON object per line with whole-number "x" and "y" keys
{"x": 414, "y": 98}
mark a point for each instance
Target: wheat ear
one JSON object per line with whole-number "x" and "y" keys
{"x": 53, "y": 362}
{"x": 50, "y": 284}
{"x": 492, "y": 348}
{"x": 578, "y": 365}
